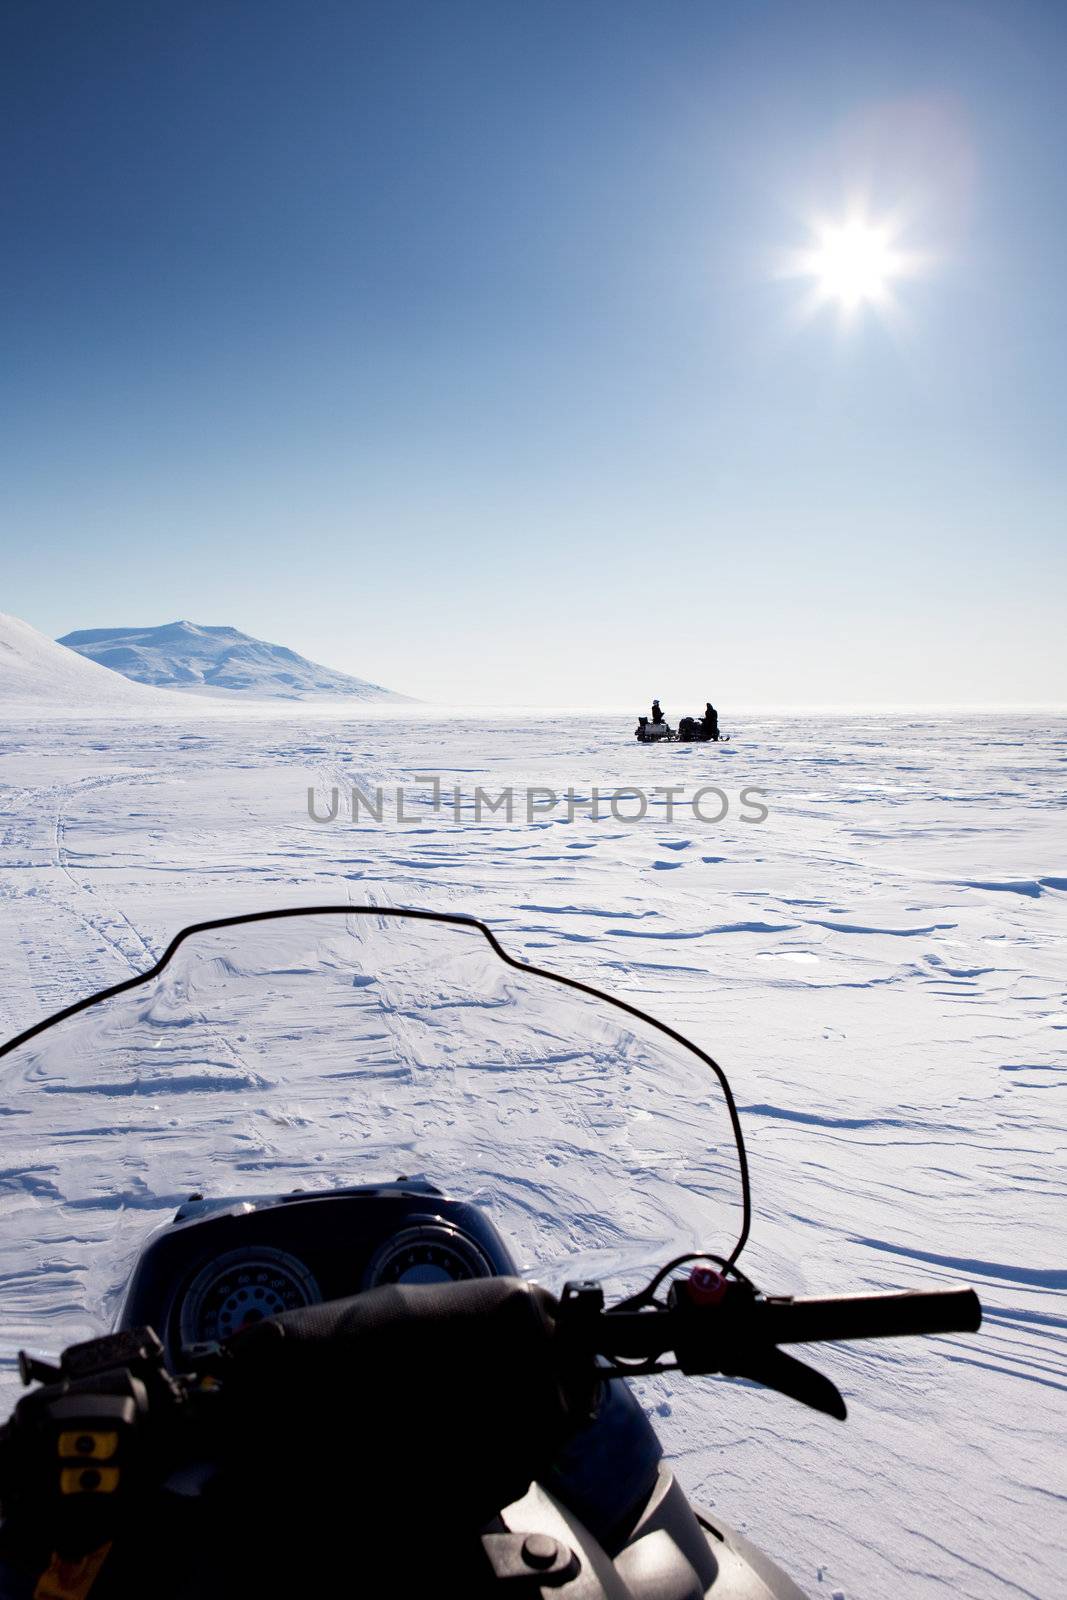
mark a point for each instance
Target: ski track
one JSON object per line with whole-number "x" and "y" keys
{"x": 879, "y": 966}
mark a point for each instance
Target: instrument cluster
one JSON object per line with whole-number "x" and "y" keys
{"x": 224, "y": 1264}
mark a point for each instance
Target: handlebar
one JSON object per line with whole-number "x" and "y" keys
{"x": 497, "y": 1361}
{"x": 487, "y": 1330}
{"x": 869, "y": 1316}
{"x": 714, "y": 1323}
{"x": 709, "y": 1316}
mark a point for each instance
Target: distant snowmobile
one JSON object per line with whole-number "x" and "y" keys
{"x": 697, "y": 731}
{"x": 691, "y": 730}
{"x": 349, "y": 1389}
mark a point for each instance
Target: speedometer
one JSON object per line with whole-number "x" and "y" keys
{"x": 243, "y": 1287}
{"x": 432, "y": 1253}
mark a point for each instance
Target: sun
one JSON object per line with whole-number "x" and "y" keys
{"x": 852, "y": 264}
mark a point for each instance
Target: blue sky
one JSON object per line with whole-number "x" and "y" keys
{"x": 450, "y": 344}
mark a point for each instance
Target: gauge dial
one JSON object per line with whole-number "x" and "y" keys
{"x": 433, "y": 1253}
{"x": 243, "y": 1287}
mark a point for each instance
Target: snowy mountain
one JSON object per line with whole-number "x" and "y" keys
{"x": 203, "y": 660}
{"x": 37, "y": 674}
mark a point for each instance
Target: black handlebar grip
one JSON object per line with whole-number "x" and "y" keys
{"x": 869, "y": 1316}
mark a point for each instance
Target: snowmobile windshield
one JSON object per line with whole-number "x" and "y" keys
{"x": 345, "y": 1047}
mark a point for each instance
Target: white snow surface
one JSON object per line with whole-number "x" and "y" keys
{"x": 878, "y": 966}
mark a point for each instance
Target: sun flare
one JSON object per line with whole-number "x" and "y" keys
{"x": 853, "y": 264}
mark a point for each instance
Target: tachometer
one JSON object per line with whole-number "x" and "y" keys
{"x": 241, "y": 1287}
{"x": 432, "y": 1253}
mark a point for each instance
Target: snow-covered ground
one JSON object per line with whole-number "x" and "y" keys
{"x": 878, "y": 965}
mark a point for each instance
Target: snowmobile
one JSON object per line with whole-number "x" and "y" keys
{"x": 648, "y": 732}
{"x": 394, "y": 1368}
{"x": 690, "y": 730}
{"x": 694, "y": 730}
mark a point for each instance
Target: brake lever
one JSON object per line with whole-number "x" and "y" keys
{"x": 773, "y": 1369}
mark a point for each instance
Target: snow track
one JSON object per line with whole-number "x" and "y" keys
{"x": 879, "y": 966}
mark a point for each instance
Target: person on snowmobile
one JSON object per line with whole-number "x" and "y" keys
{"x": 710, "y": 722}
{"x": 657, "y": 714}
